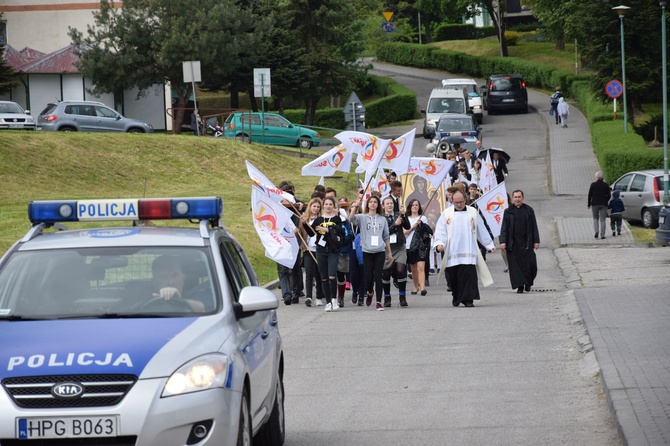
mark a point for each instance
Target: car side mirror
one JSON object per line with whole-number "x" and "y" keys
{"x": 118, "y": 117}
{"x": 479, "y": 129}
{"x": 27, "y": 112}
{"x": 423, "y": 111}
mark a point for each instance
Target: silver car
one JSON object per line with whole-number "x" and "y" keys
{"x": 136, "y": 335}
{"x": 641, "y": 192}
{"x": 87, "y": 116}
{"x": 13, "y": 116}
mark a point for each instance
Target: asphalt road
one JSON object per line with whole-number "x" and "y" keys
{"x": 513, "y": 370}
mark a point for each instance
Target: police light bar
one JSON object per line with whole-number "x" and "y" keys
{"x": 470, "y": 133}
{"x": 198, "y": 208}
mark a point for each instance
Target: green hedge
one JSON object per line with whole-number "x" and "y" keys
{"x": 427, "y": 56}
{"x": 397, "y": 104}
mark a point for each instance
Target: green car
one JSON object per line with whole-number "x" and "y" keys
{"x": 276, "y": 130}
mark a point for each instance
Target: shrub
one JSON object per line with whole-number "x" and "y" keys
{"x": 512, "y": 37}
{"x": 647, "y": 129}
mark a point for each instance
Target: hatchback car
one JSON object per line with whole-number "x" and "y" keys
{"x": 13, "y": 116}
{"x": 136, "y": 334}
{"x": 87, "y": 116}
{"x": 641, "y": 193}
{"x": 505, "y": 92}
{"x": 269, "y": 128}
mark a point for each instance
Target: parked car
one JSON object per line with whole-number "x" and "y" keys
{"x": 505, "y": 92}
{"x": 276, "y": 130}
{"x": 87, "y": 116}
{"x": 474, "y": 96}
{"x": 136, "y": 334}
{"x": 13, "y": 116}
{"x": 641, "y": 193}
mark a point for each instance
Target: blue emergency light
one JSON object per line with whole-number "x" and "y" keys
{"x": 198, "y": 208}
{"x": 467, "y": 133}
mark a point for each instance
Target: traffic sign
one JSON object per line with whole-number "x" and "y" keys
{"x": 387, "y": 15}
{"x": 388, "y": 27}
{"x": 614, "y": 88}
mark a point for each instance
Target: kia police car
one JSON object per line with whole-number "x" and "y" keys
{"x": 136, "y": 335}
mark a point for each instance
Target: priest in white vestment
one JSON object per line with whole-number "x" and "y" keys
{"x": 456, "y": 234}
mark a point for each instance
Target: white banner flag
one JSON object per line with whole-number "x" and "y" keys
{"x": 492, "y": 205}
{"x": 369, "y": 149}
{"x": 271, "y": 221}
{"x": 432, "y": 169}
{"x": 266, "y": 185}
{"x": 487, "y": 181}
{"x": 337, "y": 158}
{"x": 398, "y": 153}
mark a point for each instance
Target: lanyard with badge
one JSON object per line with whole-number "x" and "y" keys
{"x": 393, "y": 238}
{"x": 374, "y": 239}
{"x": 322, "y": 242}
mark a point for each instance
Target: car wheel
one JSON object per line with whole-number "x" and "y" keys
{"x": 244, "y": 428}
{"x": 305, "y": 143}
{"x": 242, "y": 138}
{"x": 525, "y": 110}
{"x": 67, "y": 129}
{"x": 490, "y": 111}
{"x": 273, "y": 433}
{"x": 135, "y": 131}
{"x": 426, "y": 135}
{"x": 648, "y": 220}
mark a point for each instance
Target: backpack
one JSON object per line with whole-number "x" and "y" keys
{"x": 554, "y": 98}
{"x": 349, "y": 236}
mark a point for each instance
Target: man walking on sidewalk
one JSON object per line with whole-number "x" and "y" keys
{"x": 599, "y": 196}
{"x": 519, "y": 235}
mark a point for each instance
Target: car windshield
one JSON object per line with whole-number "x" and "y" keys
{"x": 504, "y": 84}
{"x": 453, "y": 125}
{"x": 446, "y": 105}
{"x": 11, "y": 108}
{"x": 107, "y": 282}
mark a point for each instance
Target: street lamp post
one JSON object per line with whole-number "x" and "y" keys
{"x": 666, "y": 195}
{"x": 621, "y": 10}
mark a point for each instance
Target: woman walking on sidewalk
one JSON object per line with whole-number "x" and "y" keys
{"x": 375, "y": 244}
{"x": 327, "y": 255}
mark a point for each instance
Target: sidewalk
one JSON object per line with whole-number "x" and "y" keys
{"x": 629, "y": 326}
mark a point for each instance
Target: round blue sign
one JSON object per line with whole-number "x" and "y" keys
{"x": 614, "y": 89}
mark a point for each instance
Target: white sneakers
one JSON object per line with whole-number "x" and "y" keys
{"x": 332, "y": 306}
{"x": 319, "y": 302}
{"x": 308, "y": 301}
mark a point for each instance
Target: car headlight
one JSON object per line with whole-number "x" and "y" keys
{"x": 431, "y": 122}
{"x": 199, "y": 374}
{"x": 477, "y": 107}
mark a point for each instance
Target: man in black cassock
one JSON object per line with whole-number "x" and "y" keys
{"x": 519, "y": 236}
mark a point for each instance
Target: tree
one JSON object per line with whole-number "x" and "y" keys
{"x": 7, "y": 80}
{"x": 146, "y": 41}
{"x": 331, "y": 36}
{"x": 553, "y": 16}
{"x": 496, "y": 10}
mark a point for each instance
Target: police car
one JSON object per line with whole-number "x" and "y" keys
{"x": 136, "y": 335}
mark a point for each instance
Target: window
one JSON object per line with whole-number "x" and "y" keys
{"x": 638, "y": 183}
{"x": 3, "y": 32}
{"x": 622, "y": 184}
{"x": 235, "y": 268}
{"x": 105, "y": 112}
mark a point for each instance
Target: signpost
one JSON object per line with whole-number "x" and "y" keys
{"x": 354, "y": 113}
{"x": 387, "y": 25}
{"x": 614, "y": 89}
{"x": 262, "y": 89}
{"x": 191, "y": 73}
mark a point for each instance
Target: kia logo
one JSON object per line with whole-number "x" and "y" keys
{"x": 67, "y": 390}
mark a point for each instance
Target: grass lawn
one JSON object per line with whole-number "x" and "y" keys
{"x": 539, "y": 52}
{"x": 48, "y": 166}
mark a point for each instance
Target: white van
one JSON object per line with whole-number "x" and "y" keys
{"x": 474, "y": 96}
{"x": 452, "y": 99}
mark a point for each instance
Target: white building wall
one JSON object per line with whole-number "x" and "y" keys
{"x": 146, "y": 108}
{"x": 43, "y": 24}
